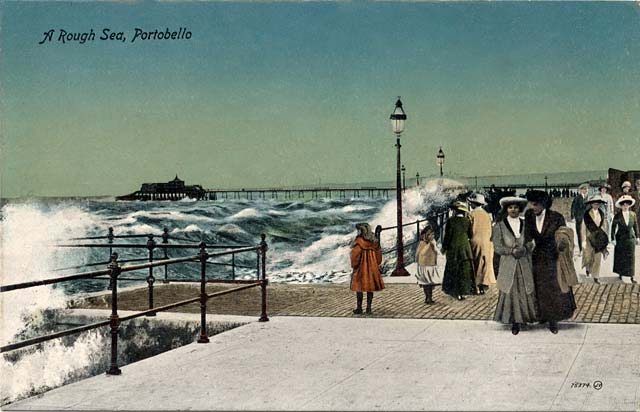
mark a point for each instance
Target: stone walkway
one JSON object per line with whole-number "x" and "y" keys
{"x": 604, "y": 303}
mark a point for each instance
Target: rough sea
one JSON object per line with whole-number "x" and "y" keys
{"x": 309, "y": 242}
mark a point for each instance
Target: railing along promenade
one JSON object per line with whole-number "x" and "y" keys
{"x": 114, "y": 270}
{"x": 436, "y": 218}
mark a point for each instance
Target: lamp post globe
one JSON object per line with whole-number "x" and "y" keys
{"x": 440, "y": 159}
{"x": 398, "y": 118}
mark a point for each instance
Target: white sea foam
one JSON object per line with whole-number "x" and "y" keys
{"x": 245, "y": 213}
{"x": 188, "y": 229}
{"x": 28, "y": 233}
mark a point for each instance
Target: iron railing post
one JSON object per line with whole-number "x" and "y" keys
{"x": 165, "y": 240}
{"x": 110, "y": 241}
{"x": 263, "y": 286}
{"x": 233, "y": 266}
{"x": 151, "y": 244}
{"x": 203, "y": 294}
{"x": 418, "y": 230}
{"x": 258, "y": 264}
{"x": 114, "y": 320}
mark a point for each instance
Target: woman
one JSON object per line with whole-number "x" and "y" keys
{"x": 541, "y": 224}
{"x": 458, "y": 271}
{"x": 607, "y": 206}
{"x": 516, "y": 301}
{"x": 427, "y": 260}
{"x": 481, "y": 246}
{"x": 366, "y": 258}
{"x": 624, "y": 230}
{"x": 595, "y": 236}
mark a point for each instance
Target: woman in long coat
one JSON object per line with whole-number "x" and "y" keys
{"x": 458, "y": 271}
{"x": 516, "y": 301}
{"x": 595, "y": 236}
{"x": 624, "y": 229}
{"x": 366, "y": 258}
{"x": 541, "y": 224}
{"x": 481, "y": 246}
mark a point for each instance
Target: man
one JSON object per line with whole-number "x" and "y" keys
{"x": 481, "y": 245}
{"x": 541, "y": 224}
{"x": 577, "y": 210}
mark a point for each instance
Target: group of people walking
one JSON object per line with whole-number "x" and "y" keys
{"x": 535, "y": 273}
{"x": 598, "y": 223}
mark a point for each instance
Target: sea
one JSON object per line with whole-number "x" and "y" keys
{"x": 309, "y": 241}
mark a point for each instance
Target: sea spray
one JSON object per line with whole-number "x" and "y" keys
{"x": 309, "y": 241}
{"x": 28, "y": 233}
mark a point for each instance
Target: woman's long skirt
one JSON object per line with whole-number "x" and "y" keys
{"x": 624, "y": 258}
{"x": 516, "y": 306}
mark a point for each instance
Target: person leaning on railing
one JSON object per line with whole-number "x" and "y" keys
{"x": 366, "y": 258}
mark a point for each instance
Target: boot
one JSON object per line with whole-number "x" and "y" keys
{"x": 515, "y": 328}
{"x": 553, "y": 327}
{"x": 369, "y": 300}
{"x": 481, "y": 289}
{"x": 428, "y": 290}
{"x": 358, "y": 309}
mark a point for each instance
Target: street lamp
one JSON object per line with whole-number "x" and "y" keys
{"x": 417, "y": 179}
{"x": 398, "y": 118}
{"x": 440, "y": 158}
{"x": 404, "y": 182}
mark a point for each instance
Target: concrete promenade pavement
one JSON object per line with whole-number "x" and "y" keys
{"x": 294, "y": 363}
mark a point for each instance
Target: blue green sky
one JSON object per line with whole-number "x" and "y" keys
{"x": 270, "y": 94}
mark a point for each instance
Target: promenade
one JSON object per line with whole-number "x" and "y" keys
{"x": 312, "y": 363}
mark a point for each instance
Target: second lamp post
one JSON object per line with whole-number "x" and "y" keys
{"x": 398, "y": 118}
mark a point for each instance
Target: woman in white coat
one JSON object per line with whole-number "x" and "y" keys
{"x": 516, "y": 301}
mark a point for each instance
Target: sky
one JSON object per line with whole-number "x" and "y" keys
{"x": 280, "y": 94}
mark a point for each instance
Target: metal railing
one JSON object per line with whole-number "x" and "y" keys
{"x": 114, "y": 270}
{"x": 438, "y": 218}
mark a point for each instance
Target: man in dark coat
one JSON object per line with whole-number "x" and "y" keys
{"x": 577, "y": 210}
{"x": 541, "y": 224}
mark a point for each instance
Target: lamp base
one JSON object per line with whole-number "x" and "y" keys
{"x": 400, "y": 271}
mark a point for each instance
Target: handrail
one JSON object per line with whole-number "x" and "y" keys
{"x": 430, "y": 215}
{"x": 114, "y": 270}
{"x": 24, "y": 285}
{"x": 84, "y": 328}
{"x": 141, "y": 246}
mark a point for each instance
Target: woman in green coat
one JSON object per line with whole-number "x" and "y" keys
{"x": 625, "y": 232}
{"x": 458, "y": 271}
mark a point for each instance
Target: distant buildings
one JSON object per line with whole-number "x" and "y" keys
{"x": 173, "y": 190}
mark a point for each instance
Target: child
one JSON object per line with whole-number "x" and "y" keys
{"x": 427, "y": 260}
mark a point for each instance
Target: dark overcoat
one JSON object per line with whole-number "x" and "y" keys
{"x": 553, "y": 304}
{"x": 625, "y": 235}
{"x": 458, "y": 270}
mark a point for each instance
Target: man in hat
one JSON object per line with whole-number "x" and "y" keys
{"x": 541, "y": 224}
{"x": 481, "y": 245}
{"x": 577, "y": 210}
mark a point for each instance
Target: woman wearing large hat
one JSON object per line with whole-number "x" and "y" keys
{"x": 458, "y": 271}
{"x": 625, "y": 232}
{"x": 541, "y": 225}
{"x": 516, "y": 301}
{"x": 595, "y": 236}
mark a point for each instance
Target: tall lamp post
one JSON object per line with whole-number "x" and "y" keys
{"x": 440, "y": 158}
{"x": 398, "y": 118}
{"x": 404, "y": 182}
{"x": 417, "y": 179}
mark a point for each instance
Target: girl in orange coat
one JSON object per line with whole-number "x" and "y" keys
{"x": 366, "y": 258}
